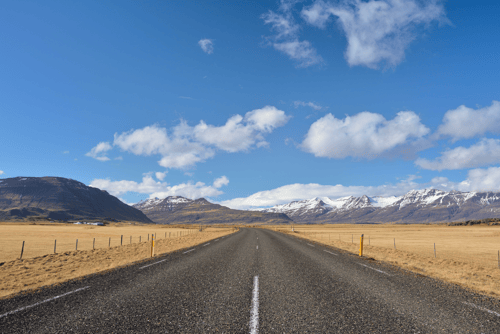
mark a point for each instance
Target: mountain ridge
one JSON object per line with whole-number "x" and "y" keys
{"x": 60, "y": 199}
{"x": 181, "y": 210}
{"x": 416, "y": 206}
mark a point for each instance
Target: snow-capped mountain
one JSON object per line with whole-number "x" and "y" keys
{"x": 170, "y": 203}
{"x": 181, "y": 210}
{"x": 417, "y": 206}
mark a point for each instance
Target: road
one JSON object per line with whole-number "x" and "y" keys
{"x": 253, "y": 281}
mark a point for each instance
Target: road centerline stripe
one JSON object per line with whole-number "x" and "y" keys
{"x": 380, "y": 271}
{"x": 254, "y": 312}
{"x": 330, "y": 252}
{"x": 44, "y": 301}
{"x": 206, "y": 244}
{"x": 189, "y": 251}
{"x": 311, "y": 245}
{"x": 482, "y": 309}
{"x": 152, "y": 264}
{"x": 257, "y": 247}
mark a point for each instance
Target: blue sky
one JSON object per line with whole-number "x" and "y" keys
{"x": 252, "y": 104}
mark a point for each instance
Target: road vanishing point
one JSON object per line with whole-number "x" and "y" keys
{"x": 252, "y": 281}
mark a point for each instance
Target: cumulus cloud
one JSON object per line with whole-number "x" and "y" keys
{"x": 99, "y": 152}
{"x": 187, "y": 145}
{"x": 466, "y": 122}
{"x": 221, "y": 181}
{"x": 376, "y": 31}
{"x": 160, "y": 175}
{"x": 299, "y": 191}
{"x": 207, "y": 45}
{"x": 363, "y": 135}
{"x": 161, "y": 189}
{"x": 1, "y": 172}
{"x": 486, "y": 152}
{"x": 477, "y": 180}
{"x": 307, "y": 104}
{"x": 286, "y": 37}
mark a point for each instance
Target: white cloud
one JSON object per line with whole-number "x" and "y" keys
{"x": 99, "y": 152}
{"x": 1, "y": 172}
{"x": 66, "y": 152}
{"x": 363, "y": 135}
{"x": 307, "y": 104}
{"x": 298, "y": 191}
{"x": 486, "y": 152}
{"x": 481, "y": 180}
{"x": 119, "y": 158}
{"x": 221, "y": 181}
{"x": 160, "y": 176}
{"x": 286, "y": 36}
{"x": 161, "y": 189}
{"x": 187, "y": 145}
{"x": 466, "y": 122}
{"x": 186, "y": 98}
{"x": 207, "y": 45}
{"x": 377, "y": 31}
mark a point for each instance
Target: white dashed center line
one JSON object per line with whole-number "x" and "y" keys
{"x": 217, "y": 240}
{"x": 380, "y": 271}
{"x": 189, "y": 251}
{"x": 206, "y": 244}
{"x": 152, "y": 264}
{"x": 257, "y": 247}
{"x": 482, "y": 309}
{"x": 254, "y": 312}
{"x": 311, "y": 245}
{"x": 330, "y": 252}
{"x": 47, "y": 300}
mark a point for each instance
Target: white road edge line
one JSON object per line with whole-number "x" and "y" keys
{"x": 380, "y": 271}
{"x": 206, "y": 244}
{"x": 47, "y": 300}
{"x": 257, "y": 247}
{"x": 189, "y": 251}
{"x": 330, "y": 252}
{"x": 152, "y": 264}
{"x": 482, "y": 309}
{"x": 311, "y": 245}
{"x": 254, "y": 312}
{"x": 217, "y": 240}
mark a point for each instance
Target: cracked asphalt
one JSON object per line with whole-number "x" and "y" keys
{"x": 302, "y": 288}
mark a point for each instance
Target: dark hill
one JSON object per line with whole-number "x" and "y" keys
{"x": 60, "y": 199}
{"x": 180, "y": 210}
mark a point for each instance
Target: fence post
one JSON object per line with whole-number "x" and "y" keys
{"x": 93, "y": 245}
{"x": 499, "y": 259}
{"x": 152, "y": 245}
{"x": 22, "y": 251}
{"x": 361, "y": 245}
{"x": 121, "y": 241}
{"x": 76, "y": 247}
{"x": 394, "y": 243}
{"x": 140, "y": 239}
{"x": 352, "y": 238}
{"x": 434, "y": 249}
{"x": 148, "y": 236}
{"x": 165, "y": 235}
{"x": 109, "y": 244}
{"x": 55, "y": 242}
{"x": 369, "y": 240}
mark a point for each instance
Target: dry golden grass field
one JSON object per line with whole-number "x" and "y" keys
{"x": 465, "y": 255}
{"x": 40, "y": 266}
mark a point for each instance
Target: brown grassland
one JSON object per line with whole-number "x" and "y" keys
{"x": 465, "y": 255}
{"x": 40, "y": 266}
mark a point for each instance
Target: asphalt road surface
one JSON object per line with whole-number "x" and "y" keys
{"x": 253, "y": 281}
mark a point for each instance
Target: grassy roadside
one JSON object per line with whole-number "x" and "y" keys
{"x": 33, "y": 273}
{"x": 461, "y": 256}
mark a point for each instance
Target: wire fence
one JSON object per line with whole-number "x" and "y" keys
{"x": 32, "y": 246}
{"x": 477, "y": 246}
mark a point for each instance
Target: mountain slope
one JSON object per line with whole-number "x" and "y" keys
{"x": 417, "y": 206}
{"x": 180, "y": 210}
{"x": 60, "y": 198}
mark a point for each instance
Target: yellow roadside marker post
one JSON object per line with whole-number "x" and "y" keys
{"x": 152, "y": 245}
{"x": 361, "y": 245}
